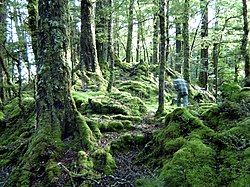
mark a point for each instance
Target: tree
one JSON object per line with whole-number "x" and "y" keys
{"x": 101, "y": 30}
{"x": 185, "y": 35}
{"x": 155, "y": 49}
{"x": 244, "y": 50}
{"x": 33, "y": 25}
{"x": 110, "y": 48}
{"x": 88, "y": 54}
{"x": 57, "y": 120}
{"x": 3, "y": 9}
{"x": 162, "y": 16}
{"x": 203, "y": 78}
{"x": 130, "y": 31}
{"x": 178, "y": 43}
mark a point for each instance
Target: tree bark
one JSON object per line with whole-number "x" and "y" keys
{"x": 203, "y": 78}
{"x": 178, "y": 45}
{"x": 130, "y": 32}
{"x": 155, "y": 59}
{"x": 244, "y": 50}
{"x": 88, "y": 54}
{"x": 33, "y": 25}
{"x": 186, "y": 49}
{"x": 110, "y": 49}
{"x": 3, "y": 14}
{"x": 162, "y": 16}
{"x": 101, "y": 31}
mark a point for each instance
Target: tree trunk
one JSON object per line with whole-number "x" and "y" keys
{"x": 178, "y": 45}
{"x": 203, "y": 78}
{"x": 156, "y": 40}
{"x": 186, "y": 50}
{"x": 110, "y": 49}
{"x": 101, "y": 31}
{"x": 3, "y": 14}
{"x": 130, "y": 32}
{"x": 88, "y": 52}
{"x": 244, "y": 50}
{"x": 33, "y": 25}
{"x": 162, "y": 16}
{"x": 215, "y": 59}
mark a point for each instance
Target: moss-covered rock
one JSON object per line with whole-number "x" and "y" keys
{"x": 128, "y": 141}
{"x": 192, "y": 165}
{"x": 116, "y": 103}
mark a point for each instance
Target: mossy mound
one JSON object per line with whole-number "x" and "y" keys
{"x": 103, "y": 162}
{"x": 189, "y": 152}
{"x": 137, "y": 88}
{"x": 127, "y": 142}
{"x": 116, "y": 103}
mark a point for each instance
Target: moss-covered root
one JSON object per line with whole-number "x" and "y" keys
{"x": 103, "y": 162}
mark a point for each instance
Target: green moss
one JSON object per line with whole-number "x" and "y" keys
{"x": 127, "y": 142}
{"x": 85, "y": 164}
{"x": 136, "y": 119}
{"x": 192, "y": 165}
{"x": 53, "y": 171}
{"x": 230, "y": 91}
{"x": 103, "y": 162}
{"x": 94, "y": 128}
{"x": 28, "y": 103}
{"x": 87, "y": 138}
{"x": 138, "y": 88}
{"x": 116, "y": 103}
{"x": 1, "y": 116}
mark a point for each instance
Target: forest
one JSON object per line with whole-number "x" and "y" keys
{"x": 87, "y": 94}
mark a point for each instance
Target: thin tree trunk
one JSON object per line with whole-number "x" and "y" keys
{"x": 178, "y": 46}
{"x": 33, "y": 24}
{"x": 110, "y": 49}
{"x": 130, "y": 32}
{"x": 186, "y": 49}
{"x": 156, "y": 40}
{"x": 162, "y": 15}
{"x": 215, "y": 59}
{"x": 203, "y": 78}
{"x": 244, "y": 50}
{"x": 3, "y": 26}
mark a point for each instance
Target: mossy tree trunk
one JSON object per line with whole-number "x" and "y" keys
{"x": 110, "y": 48}
{"x": 178, "y": 45}
{"x": 33, "y": 15}
{"x": 88, "y": 54}
{"x": 203, "y": 78}
{"x": 186, "y": 49}
{"x": 101, "y": 31}
{"x": 162, "y": 15}
{"x": 155, "y": 57}
{"x": 245, "y": 52}
{"x": 130, "y": 31}
{"x": 3, "y": 13}
{"x": 58, "y": 123}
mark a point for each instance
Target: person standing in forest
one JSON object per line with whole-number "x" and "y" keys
{"x": 181, "y": 87}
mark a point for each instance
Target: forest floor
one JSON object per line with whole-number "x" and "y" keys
{"x": 128, "y": 169}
